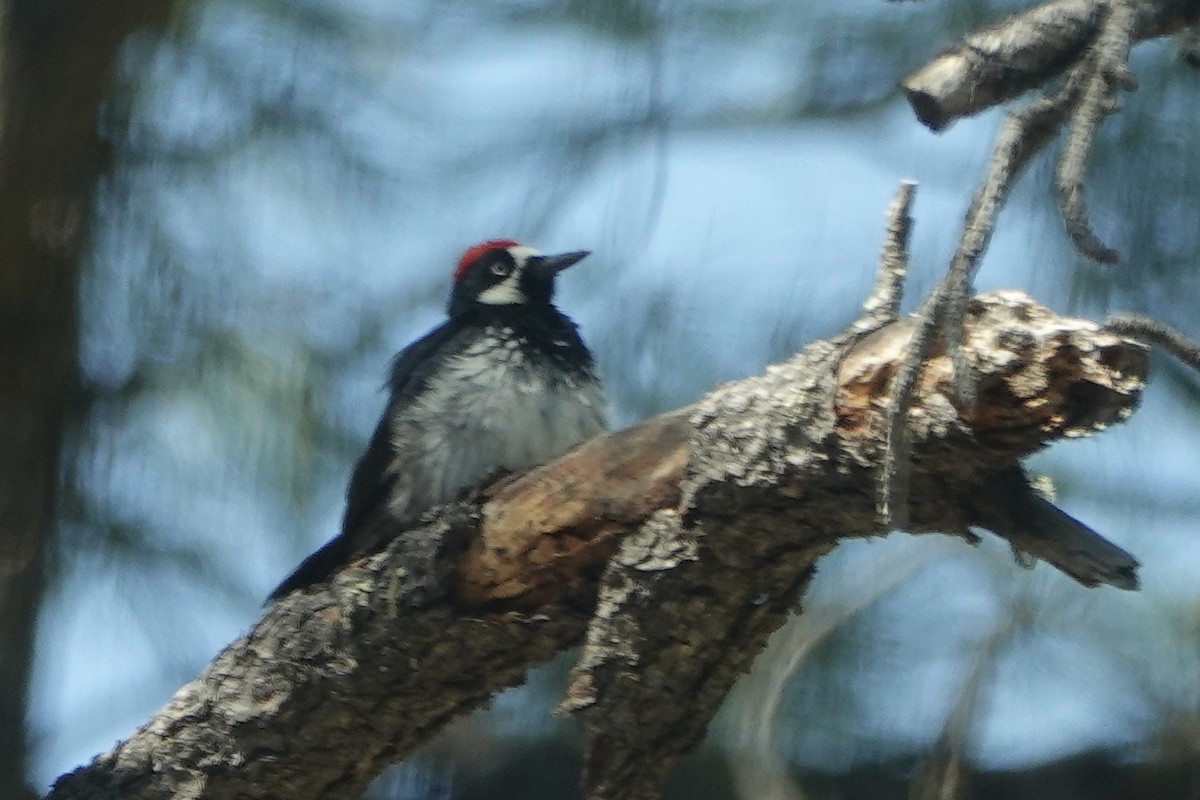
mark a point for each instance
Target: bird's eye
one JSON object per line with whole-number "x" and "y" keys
{"x": 501, "y": 268}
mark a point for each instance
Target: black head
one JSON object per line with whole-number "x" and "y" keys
{"x": 502, "y": 272}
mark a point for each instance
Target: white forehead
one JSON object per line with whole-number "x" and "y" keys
{"x": 522, "y": 253}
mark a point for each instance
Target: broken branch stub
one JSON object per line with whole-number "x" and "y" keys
{"x": 1040, "y": 377}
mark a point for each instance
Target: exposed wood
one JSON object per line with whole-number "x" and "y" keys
{"x": 546, "y": 532}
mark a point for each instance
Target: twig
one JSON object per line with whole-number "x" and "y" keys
{"x": 1151, "y": 331}
{"x": 1088, "y": 41}
{"x": 883, "y": 304}
{"x": 1107, "y": 69}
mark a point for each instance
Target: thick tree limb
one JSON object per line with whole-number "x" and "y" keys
{"x": 679, "y": 615}
{"x": 716, "y": 514}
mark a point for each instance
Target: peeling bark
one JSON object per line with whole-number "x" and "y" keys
{"x": 672, "y": 549}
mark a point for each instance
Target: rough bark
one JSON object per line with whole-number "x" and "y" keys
{"x": 56, "y": 60}
{"x": 672, "y": 549}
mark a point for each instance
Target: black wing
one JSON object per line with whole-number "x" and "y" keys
{"x": 370, "y": 484}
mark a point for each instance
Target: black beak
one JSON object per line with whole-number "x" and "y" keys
{"x": 550, "y": 266}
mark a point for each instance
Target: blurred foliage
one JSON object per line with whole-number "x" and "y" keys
{"x": 293, "y": 182}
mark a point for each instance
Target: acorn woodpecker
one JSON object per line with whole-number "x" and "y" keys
{"x": 504, "y": 383}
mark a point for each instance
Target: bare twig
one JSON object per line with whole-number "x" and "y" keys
{"x": 1107, "y": 69}
{"x": 1151, "y": 331}
{"x": 883, "y": 304}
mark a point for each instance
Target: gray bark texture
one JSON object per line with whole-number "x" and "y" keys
{"x": 671, "y": 550}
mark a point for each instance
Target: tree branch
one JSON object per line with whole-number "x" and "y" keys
{"x": 998, "y": 63}
{"x": 691, "y": 537}
{"x": 1087, "y": 42}
{"x": 1106, "y": 70}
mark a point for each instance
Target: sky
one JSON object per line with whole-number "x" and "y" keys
{"x": 292, "y": 191}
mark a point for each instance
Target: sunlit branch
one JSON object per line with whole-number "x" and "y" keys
{"x": 1088, "y": 42}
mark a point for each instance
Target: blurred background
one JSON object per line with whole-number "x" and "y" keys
{"x": 222, "y": 217}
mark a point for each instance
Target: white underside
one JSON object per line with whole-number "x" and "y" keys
{"x": 487, "y": 417}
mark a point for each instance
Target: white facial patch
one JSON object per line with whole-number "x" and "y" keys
{"x": 521, "y": 254}
{"x": 508, "y": 291}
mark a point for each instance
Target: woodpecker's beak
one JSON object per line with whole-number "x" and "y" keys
{"x": 550, "y": 266}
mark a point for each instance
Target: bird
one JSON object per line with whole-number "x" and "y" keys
{"x": 504, "y": 383}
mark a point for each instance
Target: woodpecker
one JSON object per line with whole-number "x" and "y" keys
{"x": 505, "y": 382}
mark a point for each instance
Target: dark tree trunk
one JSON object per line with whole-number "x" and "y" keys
{"x": 56, "y": 60}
